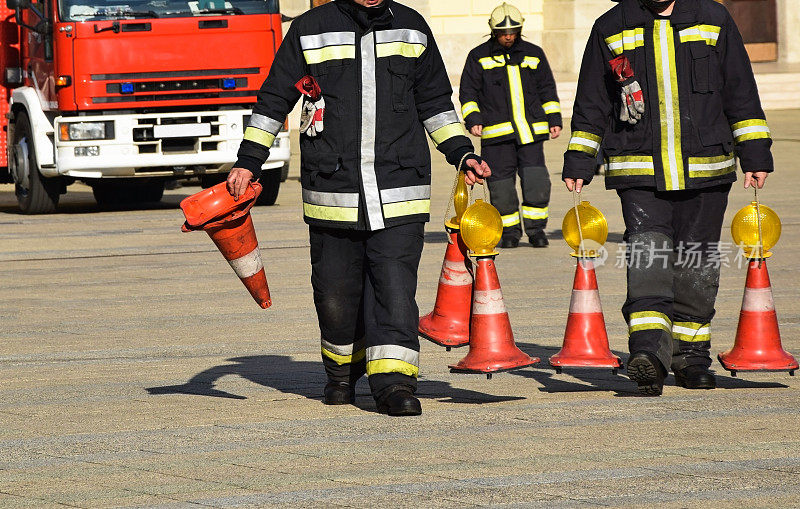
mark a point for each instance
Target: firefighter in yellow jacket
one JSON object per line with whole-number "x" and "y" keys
{"x": 508, "y": 97}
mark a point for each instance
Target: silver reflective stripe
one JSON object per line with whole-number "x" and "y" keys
{"x": 369, "y": 106}
{"x": 330, "y": 199}
{"x": 265, "y": 123}
{"x": 410, "y": 36}
{"x": 441, "y": 120}
{"x": 393, "y": 352}
{"x": 343, "y": 349}
{"x": 405, "y": 194}
{"x": 327, "y": 39}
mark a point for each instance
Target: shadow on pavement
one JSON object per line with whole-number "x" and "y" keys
{"x": 305, "y": 379}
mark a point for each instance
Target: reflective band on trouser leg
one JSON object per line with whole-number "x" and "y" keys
{"x": 552, "y": 107}
{"x": 518, "y": 104}
{"x": 669, "y": 105}
{"x": 625, "y": 41}
{"x": 497, "y": 130}
{"x": 343, "y": 354}
{"x": 619, "y": 166}
{"x": 392, "y": 359}
{"x": 585, "y": 142}
{"x": 534, "y": 212}
{"x": 369, "y": 105}
{"x": 754, "y": 129}
{"x": 469, "y": 108}
{"x": 700, "y": 167}
{"x": 649, "y": 320}
{"x": 510, "y": 220}
{"x": 691, "y": 331}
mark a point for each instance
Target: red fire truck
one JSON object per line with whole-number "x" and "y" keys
{"x": 124, "y": 95}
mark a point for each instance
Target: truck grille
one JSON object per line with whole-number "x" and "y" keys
{"x": 147, "y": 143}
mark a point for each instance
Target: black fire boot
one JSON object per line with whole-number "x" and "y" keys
{"x": 695, "y": 377}
{"x": 339, "y": 393}
{"x": 646, "y": 370}
{"x": 398, "y": 400}
{"x": 538, "y": 239}
{"x": 509, "y": 242}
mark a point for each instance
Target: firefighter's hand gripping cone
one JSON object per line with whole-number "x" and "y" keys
{"x": 756, "y": 228}
{"x": 230, "y": 226}
{"x": 491, "y": 341}
{"x": 585, "y": 338}
{"x": 448, "y": 324}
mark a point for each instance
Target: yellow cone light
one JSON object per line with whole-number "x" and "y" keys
{"x": 593, "y": 227}
{"x": 460, "y": 201}
{"x": 744, "y": 230}
{"x": 481, "y": 228}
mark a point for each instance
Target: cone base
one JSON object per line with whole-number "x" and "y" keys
{"x": 781, "y": 361}
{"x": 564, "y": 361}
{"x": 453, "y": 336}
{"x": 466, "y": 366}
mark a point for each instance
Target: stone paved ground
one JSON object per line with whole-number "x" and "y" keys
{"x": 135, "y": 371}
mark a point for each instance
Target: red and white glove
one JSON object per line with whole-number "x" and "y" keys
{"x": 632, "y": 95}
{"x": 313, "y": 111}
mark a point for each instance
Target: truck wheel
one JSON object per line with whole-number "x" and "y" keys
{"x": 271, "y": 183}
{"x": 285, "y": 171}
{"x": 212, "y": 179}
{"x": 115, "y": 193}
{"x": 35, "y": 194}
{"x": 148, "y": 192}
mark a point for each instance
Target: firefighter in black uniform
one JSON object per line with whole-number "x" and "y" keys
{"x": 508, "y": 98}
{"x": 366, "y": 175}
{"x": 667, "y": 88}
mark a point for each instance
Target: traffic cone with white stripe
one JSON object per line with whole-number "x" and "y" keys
{"x": 491, "y": 341}
{"x": 758, "y": 340}
{"x": 448, "y": 324}
{"x": 585, "y": 338}
{"x": 230, "y": 226}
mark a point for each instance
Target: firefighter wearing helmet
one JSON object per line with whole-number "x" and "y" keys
{"x": 508, "y": 98}
{"x": 666, "y": 88}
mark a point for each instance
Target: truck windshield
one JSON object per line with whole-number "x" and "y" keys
{"x": 93, "y": 10}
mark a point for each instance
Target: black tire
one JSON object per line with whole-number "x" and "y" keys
{"x": 271, "y": 183}
{"x": 149, "y": 192}
{"x": 112, "y": 193}
{"x": 41, "y": 194}
{"x": 212, "y": 179}
{"x": 285, "y": 171}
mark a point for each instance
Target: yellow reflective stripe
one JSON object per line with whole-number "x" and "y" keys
{"x": 491, "y": 63}
{"x": 534, "y": 212}
{"x": 319, "y": 55}
{"x": 701, "y": 33}
{"x": 468, "y": 108}
{"x": 625, "y": 41}
{"x": 443, "y": 134}
{"x": 404, "y": 49}
{"x": 518, "y": 105}
{"x": 669, "y": 105}
{"x": 530, "y": 62}
{"x": 752, "y": 129}
{"x": 711, "y": 166}
{"x": 344, "y": 359}
{"x": 649, "y": 320}
{"x": 623, "y": 166}
{"x": 552, "y": 107}
{"x": 256, "y": 135}
{"x": 584, "y": 142}
{"x": 391, "y": 366}
{"x": 510, "y": 219}
{"x": 493, "y": 131}
{"x": 691, "y": 331}
{"x": 406, "y": 208}
{"x": 341, "y": 214}
{"x": 541, "y": 127}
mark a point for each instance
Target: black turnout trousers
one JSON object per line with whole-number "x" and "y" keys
{"x": 364, "y": 291}
{"x": 673, "y": 271}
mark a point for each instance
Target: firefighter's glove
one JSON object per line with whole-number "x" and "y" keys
{"x": 631, "y": 92}
{"x": 313, "y": 110}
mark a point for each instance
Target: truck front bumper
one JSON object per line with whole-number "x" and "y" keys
{"x": 193, "y": 143}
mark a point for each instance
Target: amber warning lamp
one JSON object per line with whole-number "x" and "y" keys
{"x": 756, "y": 229}
{"x": 481, "y": 228}
{"x": 585, "y": 230}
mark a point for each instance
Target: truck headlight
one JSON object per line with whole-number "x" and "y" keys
{"x": 72, "y": 131}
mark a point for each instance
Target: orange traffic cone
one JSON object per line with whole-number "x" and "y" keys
{"x": 758, "y": 340}
{"x": 585, "y": 339}
{"x": 448, "y": 324}
{"x": 230, "y": 226}
{"x": 491, "y": 341}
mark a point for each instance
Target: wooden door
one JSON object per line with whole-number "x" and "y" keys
{"x": 758, "y": 22}
{"x": 315, "y": 3}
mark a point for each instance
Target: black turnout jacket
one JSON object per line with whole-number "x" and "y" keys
{"x": 702, "y": 109}
{"x": 385, "y": 86}
{"x": 510, "y": 92}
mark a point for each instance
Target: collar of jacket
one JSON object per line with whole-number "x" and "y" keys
{"x": 635, "y": 14}
{"x": 497, "y": 49}
{"x": 367, "y": 18}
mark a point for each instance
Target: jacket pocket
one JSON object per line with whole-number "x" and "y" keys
{"x": 317, "y": 163}
{"x": 399, "y": 70}
{"x": 701, "y": 68}
{"x": 420, "y": 162}
{"x": 716, "y": 136}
